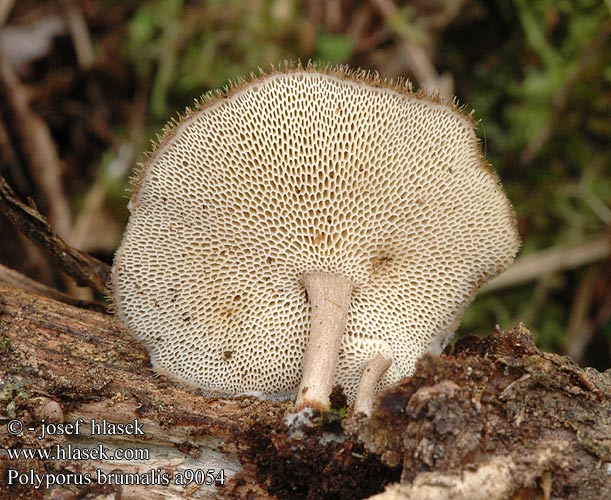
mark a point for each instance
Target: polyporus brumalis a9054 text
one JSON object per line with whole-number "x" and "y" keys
{"x": 290, "y": 230}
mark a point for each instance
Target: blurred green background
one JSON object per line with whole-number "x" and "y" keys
{"x": 105, "y": 76}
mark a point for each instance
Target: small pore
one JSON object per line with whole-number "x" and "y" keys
{"x": 318, "y": 238}
{"x": 227, "y": 312}
{"x": 379, "y": 263}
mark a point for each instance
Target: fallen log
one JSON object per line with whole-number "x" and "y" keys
{"x": 61, "y": 365}
{"x": 497, "y": 419}
{"x": 495, "y": 416}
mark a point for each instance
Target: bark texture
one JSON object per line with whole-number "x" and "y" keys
{"x": 61, "y": 363}
{"x": 496, "y": 417}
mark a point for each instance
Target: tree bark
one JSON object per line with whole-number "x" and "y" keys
{"x": 59, "y": 363}
{"x": 495, "y": 416}
{"x": 496, "y": 419}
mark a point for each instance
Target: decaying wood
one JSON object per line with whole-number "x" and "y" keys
{"x": 496, "y": 415}
{"x": 497, "y": 419}
{"x": 61, "y": 363}
{"x": 494, "y": 480}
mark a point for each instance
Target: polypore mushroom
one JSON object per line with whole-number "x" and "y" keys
{"x": 372, "y": 372}
{"x": 300, "y": 224}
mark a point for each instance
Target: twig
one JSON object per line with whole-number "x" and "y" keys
{"x": 579, "y": 330}
{"x": 81, "y": 39}
{"x": 5, "y": 10}
{"x": 417, "y": 59}
{"x": 600, "y": 209}
{"x": 11, "y": 160}
{"x": 37, "y": 147}
{"x": 85, "y": 269}
{"x": 530, "y": 310}
{"x": 551, "y": 260}
{"x": 96, "y": 196}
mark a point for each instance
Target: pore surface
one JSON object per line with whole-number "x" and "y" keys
{"x": 298, "y": 172}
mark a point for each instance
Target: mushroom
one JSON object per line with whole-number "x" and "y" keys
{"x": 372, "y": 372}
{"x": 300, "y": 224}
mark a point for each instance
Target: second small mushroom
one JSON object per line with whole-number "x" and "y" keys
{"x": 286, "y": 233}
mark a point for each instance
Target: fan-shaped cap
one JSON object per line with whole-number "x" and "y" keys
{"x": 304, "y": 171}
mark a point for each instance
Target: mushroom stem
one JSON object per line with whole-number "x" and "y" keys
{"x": 372, "y": 373}
{"x": 329, "y": 296}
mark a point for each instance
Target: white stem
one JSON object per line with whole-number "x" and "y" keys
{"x": 329, "y": 296}
{"x": 372, "y": 373}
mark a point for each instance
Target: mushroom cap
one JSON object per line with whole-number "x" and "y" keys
{"x": 297, "y": 171}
